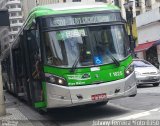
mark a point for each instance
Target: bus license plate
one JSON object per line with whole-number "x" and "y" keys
{"x": 98, "y": 96}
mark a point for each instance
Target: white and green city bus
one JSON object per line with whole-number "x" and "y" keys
{"x": 70, "y": 54}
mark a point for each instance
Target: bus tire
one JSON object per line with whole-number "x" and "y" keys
{"x": 5, "y": 87}
{"x": 101, "y": 103}
{"x": 41, "y": 111}
{"x": 155, "y": 84}
{"x": 133, "y": 95}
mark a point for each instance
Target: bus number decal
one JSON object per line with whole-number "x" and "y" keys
{"x": 116, "y": 74}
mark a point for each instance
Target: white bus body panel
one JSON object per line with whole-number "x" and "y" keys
{"x": 61, "y": 96}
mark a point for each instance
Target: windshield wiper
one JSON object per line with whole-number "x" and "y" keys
{"x": 112, "y": 57}
{"x": 75, "y": 65}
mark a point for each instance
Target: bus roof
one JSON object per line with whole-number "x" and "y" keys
{"x": 74, "y": 7}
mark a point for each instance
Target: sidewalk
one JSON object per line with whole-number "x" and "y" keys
{"x": 19, "y": 114}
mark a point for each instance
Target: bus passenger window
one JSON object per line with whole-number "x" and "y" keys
{"x": 85, "y": 54}
{"x": 52, "y": 57}
{"x": 62, "y": 48}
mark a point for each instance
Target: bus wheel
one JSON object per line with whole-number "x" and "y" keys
{"x": 133, "y": 95}
{"x": 156, "y": 84}
{"x": 5, "y": 86}
{"x": 101, "y": 103}
{"x": 41, "y": 111}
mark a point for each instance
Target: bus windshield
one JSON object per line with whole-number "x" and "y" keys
{"x": 91, "y": 45}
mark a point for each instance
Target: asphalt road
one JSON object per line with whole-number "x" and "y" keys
{"x": 144, "y": 106}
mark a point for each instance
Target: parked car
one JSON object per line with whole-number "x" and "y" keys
{"x": 146, "y": 73}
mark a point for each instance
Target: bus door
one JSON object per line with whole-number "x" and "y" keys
{"x": 17, "y": 68}
{"x": 35, "y": 67}
{"x": 19, "y": 65}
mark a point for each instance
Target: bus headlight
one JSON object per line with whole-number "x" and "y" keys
{"x": 129, "y": 70}
{"x": 55, "y": 80}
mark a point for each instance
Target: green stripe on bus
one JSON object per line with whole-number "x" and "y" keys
{"x": 43, "y": 11}
{"x": 44, "y": 92}
{"x": 106, "y": 73}
{"x": 61, "y": 71}
{"x": 40, "y": 104}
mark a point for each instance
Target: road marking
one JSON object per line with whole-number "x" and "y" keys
{"x": 138, "y": 115}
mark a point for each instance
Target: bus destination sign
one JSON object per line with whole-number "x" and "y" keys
{"x": 81, "y": 19}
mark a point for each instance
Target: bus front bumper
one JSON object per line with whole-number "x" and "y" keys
{"x": 60, "y": 96}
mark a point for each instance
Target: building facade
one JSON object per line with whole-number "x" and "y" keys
{"x": 147, "y": 14}
{"x": 148, "y": 26}
{"x": 7, "y": 35}
{"x": 28, "y": 5}
{"x": 140, "y": 6}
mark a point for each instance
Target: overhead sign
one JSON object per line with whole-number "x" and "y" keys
{"x": 65, "y": 34}
{"x": 4, "y": 16}
{"x": 81, "y": 19}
